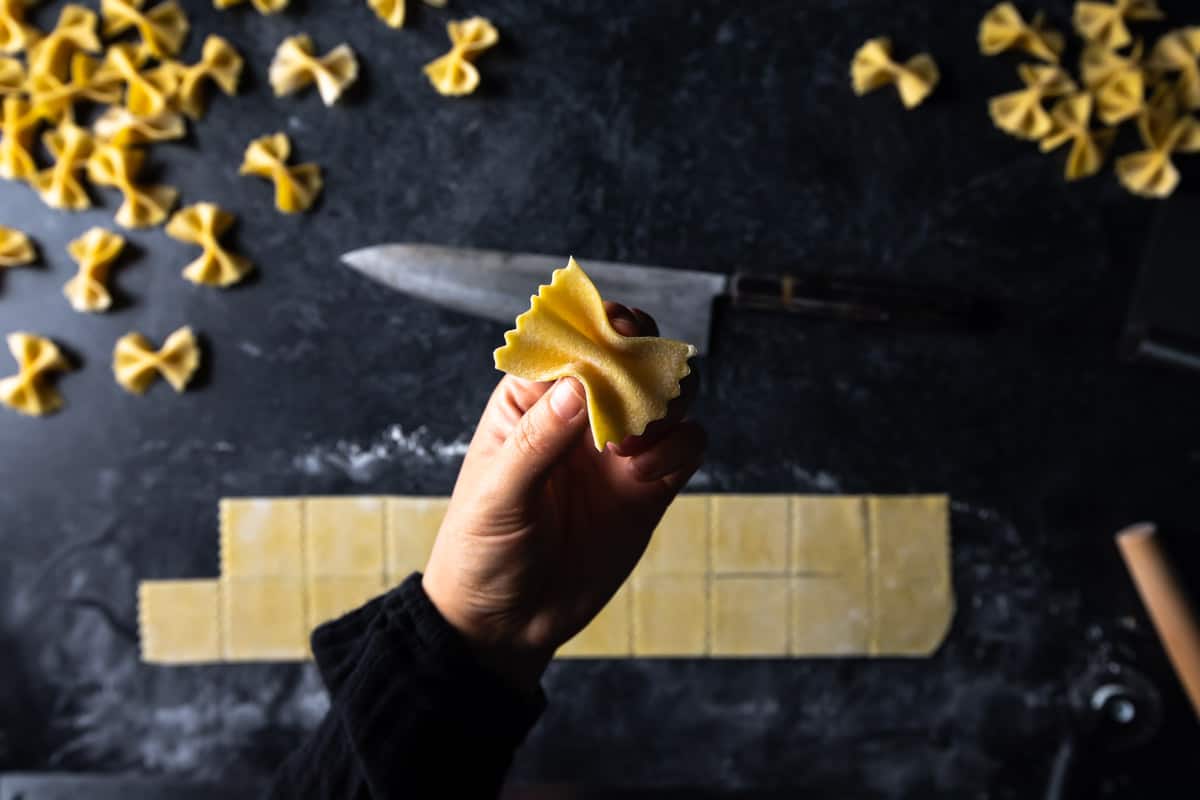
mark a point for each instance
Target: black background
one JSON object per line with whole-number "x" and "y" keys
{"x": 704, "y": 134}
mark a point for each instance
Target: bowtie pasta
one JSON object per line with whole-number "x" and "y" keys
{"x": 203, "y": 224}
{"x": 1164, "y": 131}
{"x": 873, "y": 68}
{"x": 1070, "y": 122}
{"x": 29, "y": 392}
{"x": 453, "y": 74}
{"x": 392, "y": 11}
{"x": 15, "y": 248}
{"x": 296, "y": 187}
{"x": 162, "y": 28}
{"x": 136, "y": 363}
{"x": 1104, "y": 23}
{"x": 59, "y": 185}
{"x": 219, "y": 63}
{"x": 1003, "y": 28}
{"x": 75, "y": 32}
{"x": 19, "y": 125}
{"x": 294, "y": 67}
{"x": 95, "y": 253}
{"x": 629, "y": 380}
{"x": 142, "y": 206}
{"x": 263, "y": 6}
{"x": 15, "y": 33}
{"x": 1178, "y": 52}
{"x": 1021, "y": 113}
{"x": 120, "y": 126}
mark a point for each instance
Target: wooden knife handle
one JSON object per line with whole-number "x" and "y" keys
{"x": 1166, "y": 603}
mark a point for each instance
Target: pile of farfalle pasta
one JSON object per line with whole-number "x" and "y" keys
{"x": 117, "y": 65}
{"x": 1121, "y": 78}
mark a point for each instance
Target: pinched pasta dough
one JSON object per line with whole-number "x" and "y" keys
{"x": 28, "y": 392}
{"x": 296, "y": 187}
{"x": 136, "y": 363}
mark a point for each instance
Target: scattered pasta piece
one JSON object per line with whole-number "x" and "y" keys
{"x": 1104, "y": 23}
{"x": 163, "y": 28}
{"x": 136, "y": 363}
{"x": 15, "y": 248}
{"x": 873, "y": 68}
{"x": 220, "y": 63}
{"x": 1003, "y": 28}
{"x": 1121, "y": 97}
{"x": 295, "y": 67}
{"x": 59, "y": 185}
{"x": 453, "y": 74}
{"x": 28, "y": 392}
{"x": 95, "y": 252}
{"x": 117, "y": 167}
{"x": 263, "y": 6}
{"x": 1021, "y": 113}
{"x": 18, "y": 128}
{"x": 15, "y": 34}
{"x": 297, "y": 187}
{"x": 12, "y": 76}
{"x": 120, "y": 126}
{"x": 203, "y": 224}
{"x": 392, "y": 11}
{"x": 75, "y": 31}
{"x": 54, "y": 100}
{"x": 1098, "y": 65}
{"x": 1151, "y": 173}
{"x": 1179, "y": 52}
{"x": 147, "y": 94}
{"x": 1071, "y": 117}
{"x": 628, "y": 380}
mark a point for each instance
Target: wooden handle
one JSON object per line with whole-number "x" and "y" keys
{"x": 1166, "y": 604}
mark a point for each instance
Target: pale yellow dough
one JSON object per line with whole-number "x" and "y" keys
{"x": 162, "y": 27}
{"x": 1003, "y": 28}
{"x": 136, "y": 363}
{"x": 59, "y": 184}
{"x": 794, "y": 576}
{"x": 1071, "y": 122}
{"x": 1021, "y": 113}
{"x": 203, "y": 224}
{"x": 453, "y": 74}
{"x": 142, "y": 206}
{"x": 296, "y": 187}
{"x": 95, "y": 253}
{"x": 15, "y": 248}
{"x": 295, "y": 66}
{"x": 1164, "y": 131}
{"x": 874, "y": 68}
{"x": 392, "y": 12}
{"x": 628, "y": 380}
{"x": 29, "y": 392}
{"x": 1104, "y": 23}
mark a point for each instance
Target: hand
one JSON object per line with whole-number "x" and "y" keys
{"x": 542, "y": 529}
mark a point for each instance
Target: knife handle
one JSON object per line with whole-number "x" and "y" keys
{"x": 853, "y": 300}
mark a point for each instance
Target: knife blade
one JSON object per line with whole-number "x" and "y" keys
{"x": 497, "y": 286}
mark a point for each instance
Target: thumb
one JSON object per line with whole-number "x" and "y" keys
{"x": 544, "y": 435}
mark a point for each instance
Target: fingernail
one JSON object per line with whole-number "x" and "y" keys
{"x": 566, "y": 400}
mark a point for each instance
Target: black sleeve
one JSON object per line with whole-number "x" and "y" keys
{"x": 412, "y": 714}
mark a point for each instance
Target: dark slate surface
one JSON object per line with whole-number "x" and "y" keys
{"x": 699, "y": 134}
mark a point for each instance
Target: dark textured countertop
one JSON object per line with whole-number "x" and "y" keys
{"x": 700, "y": 134}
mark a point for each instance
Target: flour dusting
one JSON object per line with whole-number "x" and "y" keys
{"x": 363, "y": 462}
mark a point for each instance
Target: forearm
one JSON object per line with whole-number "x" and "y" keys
{"x": 412, "y": 713}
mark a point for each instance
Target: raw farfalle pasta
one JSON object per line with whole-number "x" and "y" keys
{"x": 1021, "y": 113}
{"x": 162, "y": 28}
{"x": 75, "y": 31}
{"x": 136, "y": 363}
{"x": 29, "y": 392}
{"x": 54, "y": 100}
{"x": 120, "y": 126}
{"x": 18, "y": 127}
{"x": 1121, "y": 97}
{"x": 1178, "y": 52}
{"x": 453, "y": 74}
{"x": 15, "y": 33}
{"x": 628, "y": 380}
{"x": 1071, "y": 120}
{"x": 59, "y": 185}
{"x": 263, "y": 6}
{"x": 15, "y": 248}
{"x": 148, "y": 93}
{"x": 219, "y": 63}
{"x": 1098, "y": 65}
{"x": 295, "y": 67}
{"x": 95, "y": 253}
{"x": 1151, "y": 173}
{"x": 296, "y": 187}
{"x": 203, "y": 224}
{"x": 143, "y": 206}
{"x": 392, "y": 11}
{"x": 873, "y": 68}
{"x": 12, "y": 76}
{"x": 1003, "y": 28}
{"x": 1104, "y": 23}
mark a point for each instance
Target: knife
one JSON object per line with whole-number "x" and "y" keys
{"x": 498, "y": 285}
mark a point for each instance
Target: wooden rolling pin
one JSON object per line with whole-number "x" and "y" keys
{"x": 1166, "y": 603}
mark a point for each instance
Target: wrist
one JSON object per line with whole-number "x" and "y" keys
{"x": 518, "y": 666}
